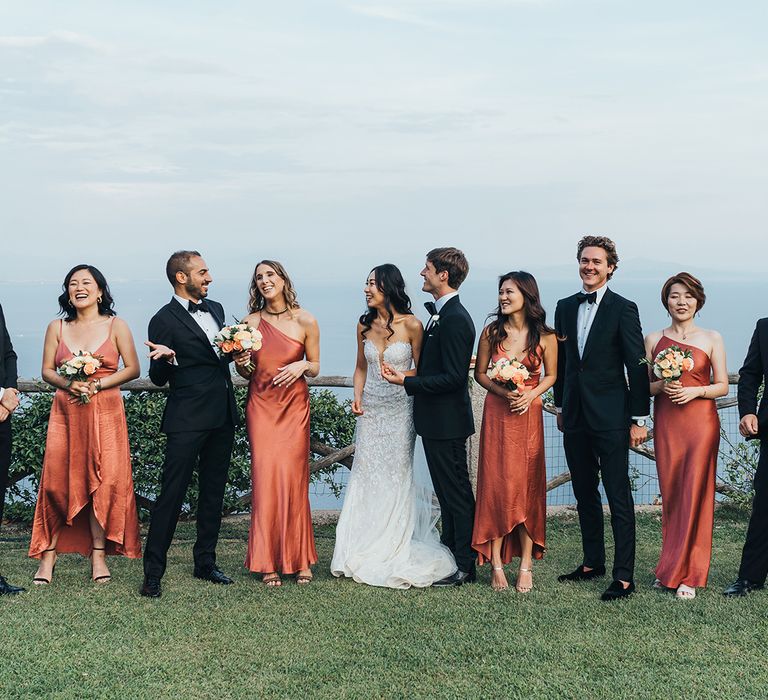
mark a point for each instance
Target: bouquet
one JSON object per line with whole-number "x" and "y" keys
{"x": 670, "y": 363}
{"x": 509, "y": 373}
{"x": 79, "y": 368}
{"x": 237, "y": 338}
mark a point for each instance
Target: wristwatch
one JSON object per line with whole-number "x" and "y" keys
{"x": 639, "y": 422}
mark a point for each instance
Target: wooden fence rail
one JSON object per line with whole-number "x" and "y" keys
{"x": 331, "y": 455}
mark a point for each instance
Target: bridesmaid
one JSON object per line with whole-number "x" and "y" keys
{"x": 686, "y": 438}
{"x": 510, "y": 516}
{"x": 86, "y": 502}
{"x": 280, "y": 540}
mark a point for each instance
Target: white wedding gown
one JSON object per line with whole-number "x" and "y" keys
{"x": 386, "y": 534}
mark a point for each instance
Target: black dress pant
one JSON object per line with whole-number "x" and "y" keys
{"x": 5, "y": 460}
{"x": 590, "y": 454}
{"x": 211, "y": 452}
{"x": 447, "y": 462}
{"x": 754, "y": 557}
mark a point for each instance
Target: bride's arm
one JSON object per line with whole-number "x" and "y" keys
{"x": 415, "y": 337}
{"x": 358, "y": 378}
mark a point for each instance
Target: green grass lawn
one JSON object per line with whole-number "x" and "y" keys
{"x": 335, "y": 638}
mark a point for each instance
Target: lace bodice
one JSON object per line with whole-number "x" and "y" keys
{"x": 400, "y": 355}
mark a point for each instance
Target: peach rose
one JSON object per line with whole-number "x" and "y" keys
{"x": 687, "y": 364}
{"x": 237, "y": 346}
{"x": 667, "y": 373}
{"x": 227, "y": 346}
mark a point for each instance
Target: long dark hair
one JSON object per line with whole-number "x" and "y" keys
{"x": 535, "y": 316}
{"x": 391, "y": 284}
{"x": 106, "y": 305}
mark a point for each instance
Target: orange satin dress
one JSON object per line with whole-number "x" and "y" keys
{"x": 686, "y": 440}
{"x": 511, "y": 475}
{"x": 281, "y": 538}
{"x": 87, "y": 462}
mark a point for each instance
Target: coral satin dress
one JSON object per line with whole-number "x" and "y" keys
{"x": 277, "y": 417}
{"x": 511, "y": 475}
{"x": 686, "y": 440}
{"x": 87, "y": 462}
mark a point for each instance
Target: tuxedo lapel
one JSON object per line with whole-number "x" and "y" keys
{"x": 186, "y": 318}
{"x": 603, "y": 310}
{"x": 571, "y": 323}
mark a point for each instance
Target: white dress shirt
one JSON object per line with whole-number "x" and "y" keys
{"x": 585, "y": 317}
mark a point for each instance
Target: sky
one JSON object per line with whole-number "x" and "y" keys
{"x": 334, "y": 136}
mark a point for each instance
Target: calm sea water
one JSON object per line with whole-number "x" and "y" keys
{"x": 732, "y": 307}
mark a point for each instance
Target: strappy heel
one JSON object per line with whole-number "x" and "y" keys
{"x": 523, "y": 589}
{"x": 499, "y": 586}
{"x": 106, "y": 578}
{"x": 41, "y": 580}
{"x": 304, "y": 579}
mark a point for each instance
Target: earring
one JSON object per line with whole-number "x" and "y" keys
{"x": 98, "y": 300}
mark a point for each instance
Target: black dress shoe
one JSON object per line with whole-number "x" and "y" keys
{"x": 580, "y": 574}
{"x": 151, "y": 587}
{"x": 457, "y": 578}
{"x": 616, "y": 590}
{"x": 213, "y": 574}
{"x": 740, "y": 587}
{"x": 7, "y": 589}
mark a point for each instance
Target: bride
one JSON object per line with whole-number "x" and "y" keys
{"x": 386, "y": 534}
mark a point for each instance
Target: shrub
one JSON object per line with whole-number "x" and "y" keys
{"x": 331, "y": 423}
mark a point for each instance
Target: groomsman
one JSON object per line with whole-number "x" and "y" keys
{"x": 754, "y": 425}
{"x": 598, "y": 413}
{"x": 9, "y": 400}
{"x": 199, "y": 419}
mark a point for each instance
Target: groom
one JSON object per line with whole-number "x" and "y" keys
{"x": 442, "y": 411}
{"x": 599, "y": 412}
{"x": 199, "y": 419}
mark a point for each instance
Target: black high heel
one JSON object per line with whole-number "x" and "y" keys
{"x": 99, "y": 579}
{"x": 39, "y": 580}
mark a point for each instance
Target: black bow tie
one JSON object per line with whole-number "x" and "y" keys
{"x": 589, "y": 298}
{"x": 430, "y": 306}
{"x": 201, "y": 307}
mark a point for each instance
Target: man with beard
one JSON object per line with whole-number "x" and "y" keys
{"x": 199, "y": 419}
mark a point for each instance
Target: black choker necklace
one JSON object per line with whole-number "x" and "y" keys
{"x": 278, "y": 313}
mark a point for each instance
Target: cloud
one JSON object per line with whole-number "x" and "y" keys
{"x": 393, "y": 14}
{"x": 53, "y": 39}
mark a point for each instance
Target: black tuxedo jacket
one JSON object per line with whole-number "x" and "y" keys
{"x": 592, "y": 390}
{"x": 201, "y": 395}
{"x": 8, "y": 375}
{"x": 441, "y": 406}
{"x": 752, "y": 375}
